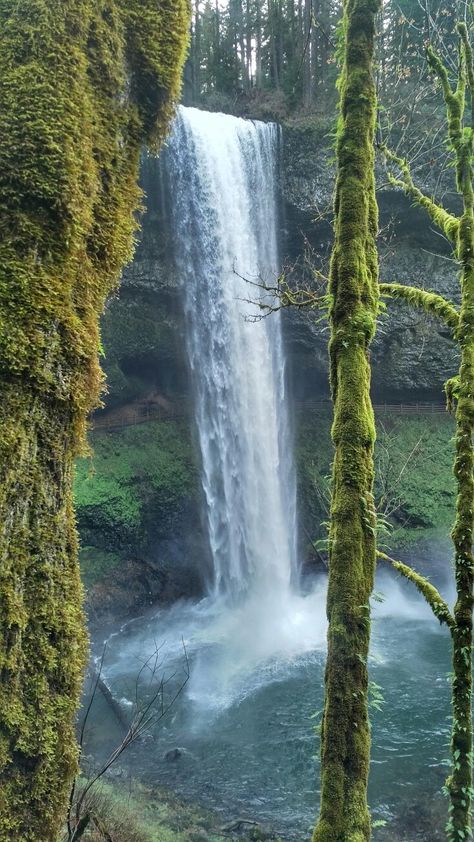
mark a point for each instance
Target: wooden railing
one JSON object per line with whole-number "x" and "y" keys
{"x": 143, "y": 413}
{"x": 420, "y": 407}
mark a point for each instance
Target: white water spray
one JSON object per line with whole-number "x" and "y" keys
{"x": 223, "y": 173}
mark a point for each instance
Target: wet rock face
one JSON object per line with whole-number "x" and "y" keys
{"x": 142, "y": 328}
{"x": 134, "y": 560}
{"x": 412, "y": 355}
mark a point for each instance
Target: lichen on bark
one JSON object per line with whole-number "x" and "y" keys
{"x": 83, "y": 85}
{"x": 345, "y": 737}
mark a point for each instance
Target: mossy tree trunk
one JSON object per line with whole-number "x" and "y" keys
{"x": 345, "y": 750}
{"x": 460, "y": 390}
{"x": 83, "y": 84}
{"x": 459, "y": 783}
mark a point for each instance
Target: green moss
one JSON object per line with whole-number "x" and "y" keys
{"x": 459, "y": 783}
{"x": 424, "y": 587}
{"x": 439, "y": 215}
{"x": 137, "y": 476}
{"x": 71, "y": 127}
{"x": 430, "y": 302}
{"x": 130, "y": 466}
{"x": 345, "y": 735}
{"x": 459, "y": 390}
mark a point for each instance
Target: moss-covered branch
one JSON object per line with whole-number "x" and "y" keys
{"x": 439, "y": 215}
{"x": 461, "y": 390}
{"x": 469, "y": 62}
{"x": 83, "y": 85}
{"x": 432, "y": 596}
{"x": 430, "y": 302}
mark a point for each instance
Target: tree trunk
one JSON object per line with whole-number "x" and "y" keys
{"x": 69, "y": 155}
{"x": 345, "y": 746}
{"x": 258, "y": 47}
{"x": 242, "y": 42}
{"x": 307, "y": 75}
{"x": 249, "y": 48}
{"x": 460, "y": 781}
{"x": 274, "y": 23}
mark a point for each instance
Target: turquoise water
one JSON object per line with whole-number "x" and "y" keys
{"x": 247, "y": 735}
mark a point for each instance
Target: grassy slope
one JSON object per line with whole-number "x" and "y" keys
{"x": 138, "y": 479}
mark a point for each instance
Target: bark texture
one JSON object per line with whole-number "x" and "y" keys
{"x": 83, "y": 84}
{"x": 345, "y": 750}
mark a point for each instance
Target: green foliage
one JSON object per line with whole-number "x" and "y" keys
{"x": 418, "y": 470}
{"x": 137, "y": 813}
{"x": 459, "y": 390}
{"x": 414, "y": 481}
{"x": 130, "y": 467}
{"x": 96, "y": 564}
{"x": 83, "y": 85}
{"x": 263, "y": 54}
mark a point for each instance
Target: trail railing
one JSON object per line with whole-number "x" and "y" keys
{"x": 144, "y": 413}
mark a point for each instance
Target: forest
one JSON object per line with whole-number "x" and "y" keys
{"x": 236, "y": 420}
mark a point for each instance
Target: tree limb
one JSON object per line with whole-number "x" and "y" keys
{"x": 432, "y": 596}
{"x": 439, "y": 215}
{"x": 431, "y": 302}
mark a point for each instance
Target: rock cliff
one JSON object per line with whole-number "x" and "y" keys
{"x": 138, "y": 500}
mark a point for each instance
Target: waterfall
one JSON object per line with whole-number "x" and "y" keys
{"x": 223, "y": 179}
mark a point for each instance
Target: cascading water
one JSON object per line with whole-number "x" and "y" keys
{"x": 223, "y": 187}
{"x": 244, "y": 724}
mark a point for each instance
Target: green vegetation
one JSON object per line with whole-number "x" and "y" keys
{"x": 83, "y": 85}
{"x": 460, "y": 399}
{"x": 275, "y": 58}
{"x": 129, "y": 470}
{"x": 142, "y": 814}
{"x": 138, "y": 480}
{"x": 136, "y": 496}
{"x": 414, "y": 483}
{"x": 96, "y": 564}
